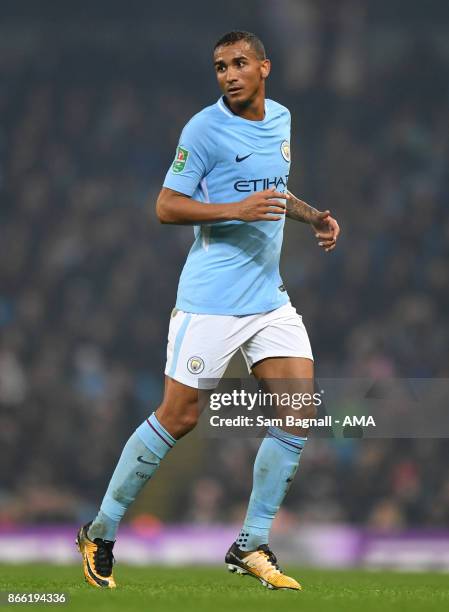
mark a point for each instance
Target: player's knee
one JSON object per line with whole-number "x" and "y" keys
{"x": 188, "y": 418}
{"x": 179, "y": 417}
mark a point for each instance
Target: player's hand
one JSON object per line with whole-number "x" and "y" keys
{"x": 326, "y": 230}
{"x": 261, "y": 206}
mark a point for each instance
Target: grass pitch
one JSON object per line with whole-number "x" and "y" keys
{"x": 162, "y": 589}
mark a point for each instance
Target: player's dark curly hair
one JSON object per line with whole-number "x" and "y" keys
{"x": 232, "y": 37}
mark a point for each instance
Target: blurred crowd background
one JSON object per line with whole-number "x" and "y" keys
{"x": 92, "y": 101}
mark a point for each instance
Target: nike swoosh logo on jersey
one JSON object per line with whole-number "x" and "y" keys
{"x": 142, "y": 460}
{"x": 239, "y": 159}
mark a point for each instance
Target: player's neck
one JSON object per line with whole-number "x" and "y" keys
{"x": 252, "y": 111}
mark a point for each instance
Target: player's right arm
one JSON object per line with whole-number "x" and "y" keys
{"x": 180, "y": 209}
{"x": 196, "y": 155}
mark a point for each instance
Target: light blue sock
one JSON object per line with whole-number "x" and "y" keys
{"x": 276, "y": 463}
{"x": 140, "y": 458}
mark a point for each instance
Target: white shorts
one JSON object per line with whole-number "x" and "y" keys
{"x": 200, "y": 346}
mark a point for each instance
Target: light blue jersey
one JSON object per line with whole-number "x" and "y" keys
{"x": 233, "y": 266}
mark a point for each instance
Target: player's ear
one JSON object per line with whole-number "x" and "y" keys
{"x": 265, "y": 68}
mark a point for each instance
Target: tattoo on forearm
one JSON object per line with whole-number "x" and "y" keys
{"x": 299, "y": 210}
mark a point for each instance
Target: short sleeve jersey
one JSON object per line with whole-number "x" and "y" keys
{"x": 233, "y": 266}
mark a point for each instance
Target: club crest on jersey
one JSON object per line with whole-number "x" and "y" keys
{"x": 180, "y": 160}
{"x": 285, "y": 150}
{"x": 195, "y": 365}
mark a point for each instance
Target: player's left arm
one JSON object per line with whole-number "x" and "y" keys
{"x": 325, "y": 227}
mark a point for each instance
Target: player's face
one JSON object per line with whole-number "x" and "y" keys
{"x": 240, "y": 74}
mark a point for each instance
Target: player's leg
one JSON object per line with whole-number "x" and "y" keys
{"x": 198, "y": 347}
{"x": 142, "y": 454}
{"x": 279, "y": 453}
{"x": 140, "y": 458}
